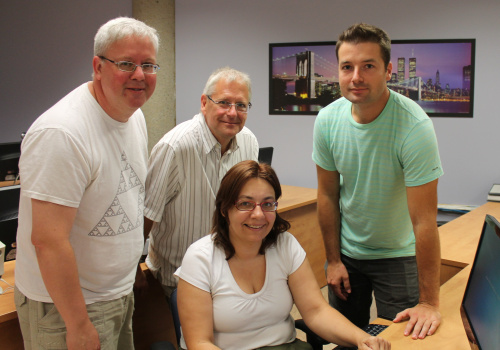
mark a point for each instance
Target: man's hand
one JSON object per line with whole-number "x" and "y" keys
{"x": 337, "y": 277}
{"x": 424, "y": 320}
{"x": 84, "y": 337}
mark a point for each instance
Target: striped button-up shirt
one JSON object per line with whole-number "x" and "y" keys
{"x": 184, "y": 174}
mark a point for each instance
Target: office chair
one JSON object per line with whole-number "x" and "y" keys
{"x": 315, "y": 340}
{"x": 266, "y": 155}
{"x": 175, "y": 316}
{"x": 166, "y": 345}
{"x": 162, "y": 345}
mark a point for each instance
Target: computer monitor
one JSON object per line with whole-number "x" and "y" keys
{"x": 481, "y": 301}
{"x": 9, "y": 159}
{"x": 9, "y": 209}
{"x": 266, "y": 155}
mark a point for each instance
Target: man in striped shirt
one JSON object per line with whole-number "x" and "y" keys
{"x": 186, "y": 168}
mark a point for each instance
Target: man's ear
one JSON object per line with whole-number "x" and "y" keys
{"x": 97, "y": 67}
{"x": 389, "y": 71}
{"x": 204, "y": 101}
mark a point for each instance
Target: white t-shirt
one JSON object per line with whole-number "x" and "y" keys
{"x": 77, "y": 156}
{"x": 241, "y": 320}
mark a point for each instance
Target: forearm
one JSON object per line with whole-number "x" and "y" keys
{"x": 329, "y": 212}
{"x": 60, "y": 275}
{"x": 334, "y": 327}
{"x": 428, "y": 252}
{"x": 320, "y": 317}
{"x": 148, "y": 224}
{"x": 52, "y": 224}
{"x": 203, "y": 346}
{"x": 422, "y": 205}
{"x": 329, "y": 222}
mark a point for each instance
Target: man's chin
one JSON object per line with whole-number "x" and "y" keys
{"x": 136, "y": 103}
{"x": 355, "y": 99}
{"x": 231, "y": 131}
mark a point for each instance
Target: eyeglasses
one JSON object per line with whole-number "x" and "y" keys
{"x": 238, "y": 106}
{"x": 129, "y": 67}
{"x": 243, "y": 205}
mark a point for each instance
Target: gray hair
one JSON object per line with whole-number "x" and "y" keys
{"x": 119, "y": 28}
{"x": 228, "y": 74}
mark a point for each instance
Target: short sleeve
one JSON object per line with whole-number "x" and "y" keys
{"x": 291, "y": 252}
{"x": 195, "y": 268}
{"x": 255, "y": 149}
{"x": 54, "y": 167}
{"x": 322, "y": 152}
{"x": 420, "y": 155}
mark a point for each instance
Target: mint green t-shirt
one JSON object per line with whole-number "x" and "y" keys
{"x": 377, "y": 161}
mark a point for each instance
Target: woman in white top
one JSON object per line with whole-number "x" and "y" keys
{"x": 237, "y": 285}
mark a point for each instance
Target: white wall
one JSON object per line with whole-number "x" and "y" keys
{"x": 47, "y": 48}
{"x": 237, "y": 33}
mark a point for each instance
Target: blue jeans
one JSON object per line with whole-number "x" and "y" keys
{"x": 394, "y": 282}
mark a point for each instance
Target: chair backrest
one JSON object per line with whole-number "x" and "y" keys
{"x": 266, "y": 155}
{"x": 175, "y": 315}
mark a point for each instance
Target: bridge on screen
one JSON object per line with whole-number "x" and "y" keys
{"x": 307, "y": 63}
{"x": 305, "y": 76}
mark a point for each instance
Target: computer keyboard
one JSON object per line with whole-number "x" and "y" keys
{"x": 374, "y": 329}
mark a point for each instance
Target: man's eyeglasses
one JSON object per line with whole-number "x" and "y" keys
{"x": 125, "y": 66}
{"x": 238, "y": 106}
{"x": 244, "y": 205}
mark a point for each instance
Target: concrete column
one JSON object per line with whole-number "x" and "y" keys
{"x": 160, "y": 109}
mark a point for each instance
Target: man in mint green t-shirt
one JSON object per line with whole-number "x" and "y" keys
{"x": 378, "y": 164}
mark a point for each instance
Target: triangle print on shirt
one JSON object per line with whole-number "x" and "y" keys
{"x": 126, "y": 212}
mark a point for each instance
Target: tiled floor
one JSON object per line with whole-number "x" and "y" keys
{"x": 295, "y": 313}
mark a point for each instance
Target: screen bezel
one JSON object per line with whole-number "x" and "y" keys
{"x": 489, "y": 220}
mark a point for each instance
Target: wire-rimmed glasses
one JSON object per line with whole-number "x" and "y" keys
{"x": 245, "y": 205}
{"x": 129, "y": 67}
{"x": 238, "y": 106}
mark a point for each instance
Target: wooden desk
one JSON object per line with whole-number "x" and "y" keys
{"x": 298, "y": 205}
{"x": 10, "y": 333}
{"x": 9, "y": 183}
{"x": 7, "y": 307}
{"x": 459, "y": 240}
{"x": 152, "y": 317}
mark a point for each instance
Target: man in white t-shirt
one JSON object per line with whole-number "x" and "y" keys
{"x": 83, "y": 169}
{"x": 186, "y": 167}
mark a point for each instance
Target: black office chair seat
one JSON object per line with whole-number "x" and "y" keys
{"x": 315, "y": 340}
{"x": 162, "y": 345}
